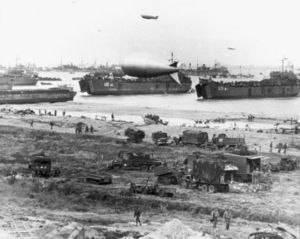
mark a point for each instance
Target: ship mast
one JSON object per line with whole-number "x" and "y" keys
{"x": 282, "y": 67}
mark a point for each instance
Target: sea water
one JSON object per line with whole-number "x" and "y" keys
{"x": 90, "y": 105}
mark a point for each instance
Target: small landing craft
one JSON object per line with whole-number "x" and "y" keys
{"x": 149, "y": 17}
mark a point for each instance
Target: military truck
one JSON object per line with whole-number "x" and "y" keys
{"x": 246, "y": 165}
{"x": 194, "y": 137}
{"x": 41, "y": 166}
{"x": 208, "y": 172}
{"x": 133, "y": 161}
{"x": 160, "y": 138}
{"x": 224, "y": 141}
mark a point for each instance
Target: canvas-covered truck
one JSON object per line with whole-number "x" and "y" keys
{"x": 224, "y": 141}
{"x": 194, "y": 137}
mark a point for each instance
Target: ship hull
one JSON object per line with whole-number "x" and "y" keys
{"x": 102, "y": 87}
{"x": 17, "y": 81}
{"x": 212, "y": 91}
{"x": 35, "y": 96}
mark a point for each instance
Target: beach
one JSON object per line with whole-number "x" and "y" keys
{"x": 92, "y": 152}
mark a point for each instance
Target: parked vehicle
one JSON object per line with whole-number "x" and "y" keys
{"x": 134, "y": 160}
{"x": 41, "y": 166}
{"x": 151, "y": 189}
{"x": 195, "y": 137}
{"x": 100, "y": 179}
{"x": 160, "y": 138}
{"x": 246, "y": 165}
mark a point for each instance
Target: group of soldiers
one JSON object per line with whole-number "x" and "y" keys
{"x": 215, "y": 216}
{"x": 50, "y": 113}
{"x": 280, "y": 147}
{"x": 87, "y": 129}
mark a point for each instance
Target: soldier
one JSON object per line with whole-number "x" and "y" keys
{"x": 214, "y": 217}
{"x": 31, "y": 123}
{"x": 137, "y": 215}
{"x": 284, "y": 148}
{"x": 64, "y": 113}
{"x": 51, "y": 124}
{"x": 227, "y": 218}
{"x": 92, "y": 129}
{"x": 279, "y": 147}
{"x": 86, "y": 129}
{"x": 214, "y": 139}
{"x": 271, "y": 147}
{"x": 55, "y": 112}
{"x": 112, "y": 117}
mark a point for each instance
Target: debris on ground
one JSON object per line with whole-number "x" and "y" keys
{"x": 24, "y": 112}
{"x": 235, "y": 187}
{"x": 175, "y": 229}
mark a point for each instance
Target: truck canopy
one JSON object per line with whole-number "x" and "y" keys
{"x": 196, "y": 137}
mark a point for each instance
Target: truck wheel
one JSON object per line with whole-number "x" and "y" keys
{"x": 211, "y": 189}
{"x": 203, "y": 188}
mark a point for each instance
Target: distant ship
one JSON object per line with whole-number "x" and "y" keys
{"x": 98, "y": 84}
{"x": 280, "y": 84}
{"x": 26, "y": 96}
{"x": 17, "y": 77}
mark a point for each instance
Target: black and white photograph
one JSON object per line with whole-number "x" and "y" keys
{"x": 149, "y": 119}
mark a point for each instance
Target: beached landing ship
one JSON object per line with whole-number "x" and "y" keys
{"x": 97, "y": 84}
{"x": 141, "y": 75}
{"x": 280, "y": 84}
{"x": 51, "y": 95}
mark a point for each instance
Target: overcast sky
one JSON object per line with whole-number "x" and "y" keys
{"x": 47, "y": 32}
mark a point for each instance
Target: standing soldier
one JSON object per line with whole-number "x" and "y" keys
{"x": 137, "y": 215}
{"x": 279, "y": 147}
{"x": 271, "y": 147}
{"x": 112, "y": 117}
{"x": 31, "y": 123}
{"x": 227, "y": 218}
{"x": 284, "y": 148}
{"x": 214, "y": 217}
{"x": 64, "y": 113}
{"x": 55, "y": 112}
{"x": 51, "y": 124}
{"x": 92, "y": 129}
{"x": 86, "y": 129}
